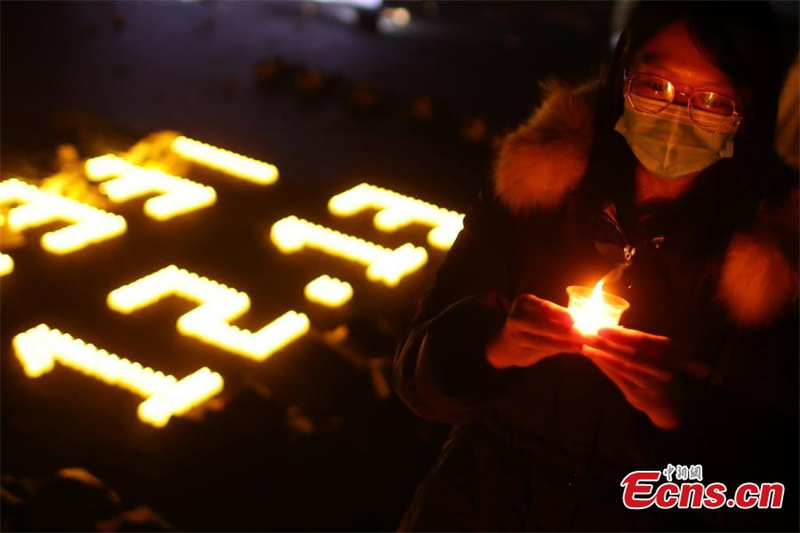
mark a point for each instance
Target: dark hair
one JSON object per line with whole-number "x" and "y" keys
{"x": 742, "y": 40}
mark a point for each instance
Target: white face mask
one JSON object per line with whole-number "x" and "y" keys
{"x": 669, "y": 145}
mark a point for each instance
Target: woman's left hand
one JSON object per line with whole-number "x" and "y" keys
{"x": 643, "y": 368}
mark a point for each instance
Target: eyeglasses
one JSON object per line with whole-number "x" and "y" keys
{"x": 708, "y": 110}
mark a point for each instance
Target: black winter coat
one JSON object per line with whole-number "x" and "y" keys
{"x": 545, "y": 447}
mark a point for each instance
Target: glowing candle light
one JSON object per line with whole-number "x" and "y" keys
{"x": 6, "y": 264}
{"x": 329, "y": 291}
{"x": 396, "y": 211}
{"x": 180, "y": 397}
{"x": 39, "y": 348}
{"x": 292, "y": 234}
{"x": 218, "y": 305}
{"x": 592, "y": 309}
{"x": 176, "y": 195}
{"x": 225, "y": 161}
{"x": 88, "y": 225}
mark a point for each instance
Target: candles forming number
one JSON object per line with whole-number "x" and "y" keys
{"x": 39, "y": 348}
{"x": 396, "y": 211}
{"x": 236, "y": 165}
{"x": 88, "y": 225}
{"x": 292, "y": 234}
{"x": 176, "y": 196}
{"x": 218, "y": 305}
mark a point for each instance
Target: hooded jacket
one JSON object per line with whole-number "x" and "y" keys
{"x": 732, "y": 317}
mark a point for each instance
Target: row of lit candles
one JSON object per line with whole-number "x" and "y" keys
{"x": 39, "y": 348}
{"x": 88, "y": 224}
{"x": 292, "y": 234}
{"x": 397, "y": 211}
{"x": 123, "y": 180}
{"x": 218, "y": 305}
{"x": 178, "y": 196}
{"x": 126, "y": 181}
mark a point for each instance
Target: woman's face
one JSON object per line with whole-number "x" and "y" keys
{"x": 679, "y": 131}
{"x": 672, "y": 55}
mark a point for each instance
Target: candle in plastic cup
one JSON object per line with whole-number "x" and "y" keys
{"x": 592, "y": 309}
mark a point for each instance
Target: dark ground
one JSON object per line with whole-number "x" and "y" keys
{"x": 101, "y": 75}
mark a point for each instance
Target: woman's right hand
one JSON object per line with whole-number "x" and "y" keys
{"x": 534, "y": 329}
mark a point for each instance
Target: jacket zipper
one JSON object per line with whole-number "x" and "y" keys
{"x": 629, "y": 250}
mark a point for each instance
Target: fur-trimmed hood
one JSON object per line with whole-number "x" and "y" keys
{"x": 545, "y": 158}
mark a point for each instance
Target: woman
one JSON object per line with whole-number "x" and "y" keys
{"x": 662, "y": 181}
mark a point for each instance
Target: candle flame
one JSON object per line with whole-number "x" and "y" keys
{"x": 594, "y": 312}
{"x": 596, "y": 298}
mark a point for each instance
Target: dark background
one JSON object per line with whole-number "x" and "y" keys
{"x": 305, "y": 440}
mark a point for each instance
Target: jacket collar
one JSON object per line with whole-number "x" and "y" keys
{"x": 545, "y": 158}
